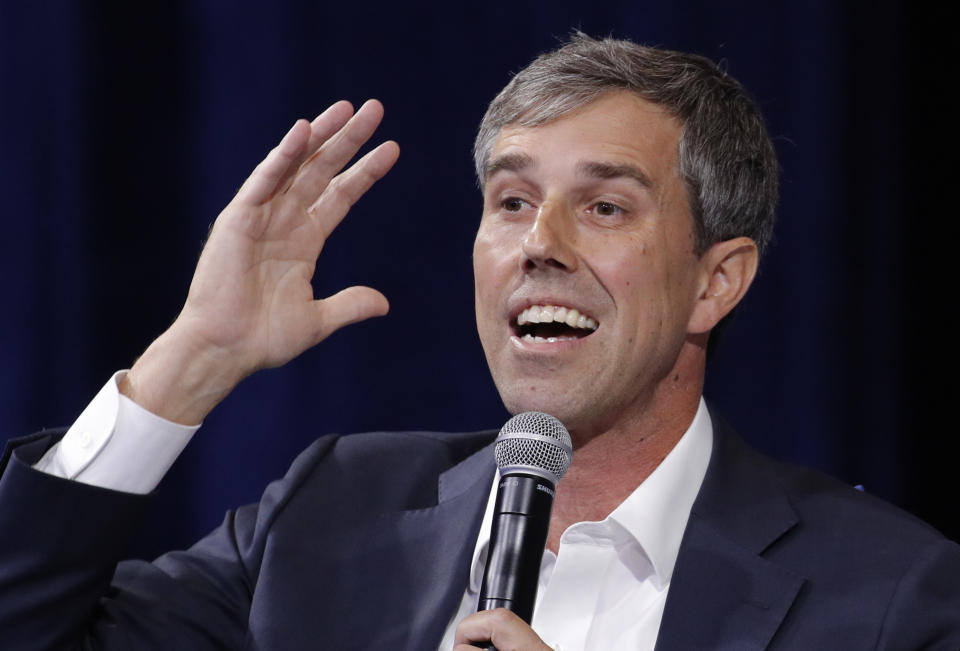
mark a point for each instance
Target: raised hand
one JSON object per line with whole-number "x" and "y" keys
{"x": 251, "y": 304}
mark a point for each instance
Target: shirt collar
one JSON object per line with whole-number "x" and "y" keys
{"x": 655, "y": 514}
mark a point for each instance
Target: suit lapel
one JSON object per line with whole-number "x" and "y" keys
{"x": 336, "y": 574}
{"x": 434, "y": 547}
{"x": 724, "y": 594}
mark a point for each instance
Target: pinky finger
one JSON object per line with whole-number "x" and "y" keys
{"x": 274, "y": 170}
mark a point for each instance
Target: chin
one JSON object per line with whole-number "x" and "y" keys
{"x": 557, "y": 404}
{"x": 581, "y": 413}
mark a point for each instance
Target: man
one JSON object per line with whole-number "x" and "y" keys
{"x": 628, "y": 193}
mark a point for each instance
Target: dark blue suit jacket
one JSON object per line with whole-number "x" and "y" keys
{"x": 347, "y": 552}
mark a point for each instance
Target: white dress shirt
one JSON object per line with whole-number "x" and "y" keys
{"x": 605, "y": 589}
{"x": 117, "y": 444}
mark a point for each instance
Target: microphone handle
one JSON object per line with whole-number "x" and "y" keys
{"x": 518, "y": 536}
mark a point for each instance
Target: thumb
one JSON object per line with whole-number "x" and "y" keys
{"x": 348, "y": 306}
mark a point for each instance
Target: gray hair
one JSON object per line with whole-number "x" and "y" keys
{"x": 725, "y": 156}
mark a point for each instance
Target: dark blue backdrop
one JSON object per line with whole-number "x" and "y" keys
{"x": 124, "y": 130}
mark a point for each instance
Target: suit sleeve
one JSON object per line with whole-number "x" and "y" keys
{"x": 924, "y": 612}
{"x": 61, "y": 586}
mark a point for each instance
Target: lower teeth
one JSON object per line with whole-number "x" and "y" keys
{"x": 547, "y": 340}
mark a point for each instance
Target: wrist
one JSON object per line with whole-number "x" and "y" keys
{"x": 181, "y": 378}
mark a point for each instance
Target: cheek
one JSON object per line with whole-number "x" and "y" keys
{"x": 484, "y": 246}
{"x": 642, "y": 295}
{"x": 493, "y": 262}
{"x": 627, "y": 276}
{"x": 488, "y": 282}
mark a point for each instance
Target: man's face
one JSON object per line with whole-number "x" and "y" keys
{"x": 585, "y": 213}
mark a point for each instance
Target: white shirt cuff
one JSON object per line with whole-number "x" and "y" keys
{"x": 117, "y": 444}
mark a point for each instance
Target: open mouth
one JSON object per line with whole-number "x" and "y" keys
{"x": 550, "y": 323}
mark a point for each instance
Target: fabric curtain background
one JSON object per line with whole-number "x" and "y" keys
{"x": 124, "y": 129}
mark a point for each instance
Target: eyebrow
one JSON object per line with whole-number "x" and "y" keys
{"x": 602, "y": 170}
{"x": 595, "y": 169}
{"x": 508, "y": 163}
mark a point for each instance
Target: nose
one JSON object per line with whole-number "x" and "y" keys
{"x": 550, "y": 242}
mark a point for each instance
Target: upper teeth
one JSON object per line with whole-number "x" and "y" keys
{"x": 558, "y": 314}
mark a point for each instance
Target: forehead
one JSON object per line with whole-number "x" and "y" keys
{"x": 619, "y": 128}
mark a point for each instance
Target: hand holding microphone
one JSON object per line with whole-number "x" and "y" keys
{"x": 533, "y": 453}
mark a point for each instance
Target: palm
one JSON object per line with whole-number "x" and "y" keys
{"x": 251, "y": 295}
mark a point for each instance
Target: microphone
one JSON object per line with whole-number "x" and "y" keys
{"x": 533, "y": 452}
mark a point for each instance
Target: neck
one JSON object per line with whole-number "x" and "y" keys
{"x": 609, "y": 466}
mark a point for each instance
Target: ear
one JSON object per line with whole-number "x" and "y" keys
{"x": 726, "y": 270}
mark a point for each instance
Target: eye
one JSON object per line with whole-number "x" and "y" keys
{"x": 512, "y": 204}
{"x": 607, "y": 209}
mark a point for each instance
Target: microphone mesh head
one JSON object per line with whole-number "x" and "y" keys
{"x": 534, "y": 443}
